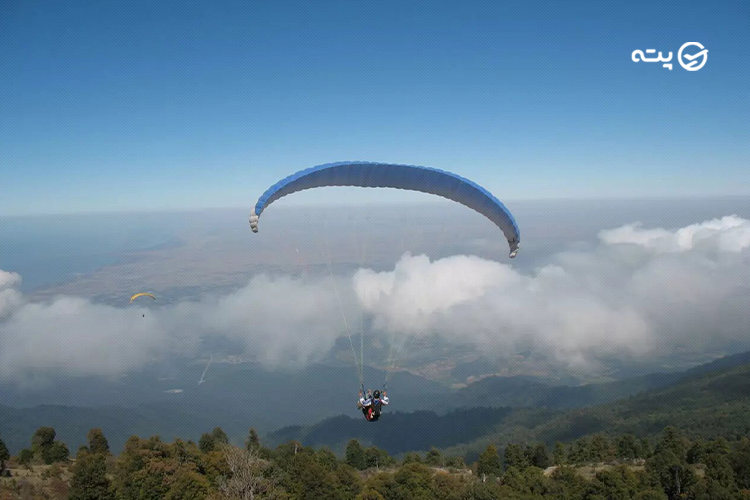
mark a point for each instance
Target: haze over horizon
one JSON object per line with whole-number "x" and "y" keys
{"x": 272, "y": 295}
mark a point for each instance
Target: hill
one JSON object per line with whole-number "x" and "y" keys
{"x": 237, "y": 397}
{"x": 171, "y": 403}
{"x": 711, "y": 400}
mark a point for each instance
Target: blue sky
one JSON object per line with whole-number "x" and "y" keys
{"x": 173, "y": 105}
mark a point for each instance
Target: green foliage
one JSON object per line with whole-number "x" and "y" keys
{"x": 188, "y": 485}
{"x": 150, "y": 469}
{"x": 537, "y": 456}
{"x": 488, "y": 464}
{"x": 42, "y": 438}
{"x": 213, "y": 441}
{"x": 355, "y": 455}
{"x": 514, "y": 456}
{"x": 97, "y": 442}
{"x": 741, "y": 463}
{"x": 558, "y": 454}
{"x": 671, "y": 472}
{"x": 25, "y": 456}
{"x": 375, "y": 457}
{"x": 45, "y": 449}
{"x": 614, "y": 484}
{"x": 89, "y": 480}
{"x": 434, "y": 457}
{"x": 600, "y": 449}
{"x": 4, "y": 455}
{"x": 253, "y": 441}
{"x": 220, "y": 437}
{"x": 414, "y": 482}
{"x": 627, "y": 447}
{"x": 58, "y": 452}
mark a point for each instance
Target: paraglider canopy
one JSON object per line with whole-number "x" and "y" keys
{"x": 142, "y": 295}
{"x": 388, "y": 175}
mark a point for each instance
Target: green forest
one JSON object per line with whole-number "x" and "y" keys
{"x": 687, "y": 440}
{"x": 600, "y": 467}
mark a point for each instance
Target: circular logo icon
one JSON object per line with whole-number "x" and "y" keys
{"x": 695, "y": 61}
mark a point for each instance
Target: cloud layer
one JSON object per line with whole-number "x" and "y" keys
{"x": 641, "y": 293}
{"x": 645, "y": 293}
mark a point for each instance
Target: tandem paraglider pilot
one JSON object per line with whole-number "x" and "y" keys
{"x": 371, "y": 404}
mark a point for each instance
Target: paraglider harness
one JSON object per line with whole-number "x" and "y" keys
{"x": 371, "y": 411}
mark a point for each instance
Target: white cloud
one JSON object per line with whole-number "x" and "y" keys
{"x": 641, "y": 293}
{"x": 279, "y": 321}
{"x": 8, "y": 280}
{"x": 728, "y": 234}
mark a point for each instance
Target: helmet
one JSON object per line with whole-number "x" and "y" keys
{"x": 376, "y": 394}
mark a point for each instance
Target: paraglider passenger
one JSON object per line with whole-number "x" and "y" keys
{"x": 372, "y": 404}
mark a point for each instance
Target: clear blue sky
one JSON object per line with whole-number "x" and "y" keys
{"x": 159, "y": 105}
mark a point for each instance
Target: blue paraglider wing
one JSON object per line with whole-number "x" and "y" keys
{"x": 388, "y": 175}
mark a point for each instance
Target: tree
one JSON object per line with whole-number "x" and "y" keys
{"x": 41, "y": 443}
{"x": 220, "y": 437}
{"x": 414, "y": 481}
{"x": 434, "y": 457}
{"x": 579, "y": 451}
{"x": 627, "y": 447}
{"x": 455, "y": 461}
{"x": 671, "y": 471}
{"x": 538, "y": 456}
{"x": 558, "y": 454}
{"x": 719, "y": 473}
{"x": 58, "y": 452}
{"x": 89, "y": 480}
{"x": 253, "y": 441}
{"x": 206, "y": 443}
{"x": 355, "y": 455}
{"x": 372, "y": 457}
{"x": 672, "y": 440}
{"x": 4, "y": 456}
{"x": 644, "y": 448}
{"x": 650, "y": 495}
{"x": 488, "y": 464}
{"x": 619, "y": 483}
{"x": 45, "y": 448}
{"x": 325, "y": 457}
{"x": 188, "y": 485}
{"x": 349, "y": 483}
{"x": 25, "y": 456}
{"x": 599, "y": 448}
{"x": 316, "y": 482}
{"x": 97, "y": 442}
{"x": 515, "y": 457}
{"x": 369, "y": 494}
{"x": 740, "y": 458}
{"x": 249, "y": 476}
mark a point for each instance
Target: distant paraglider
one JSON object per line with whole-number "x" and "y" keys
{"x": 142, "y": 295}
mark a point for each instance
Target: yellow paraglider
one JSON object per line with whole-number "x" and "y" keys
{"x": 142, "y": 295}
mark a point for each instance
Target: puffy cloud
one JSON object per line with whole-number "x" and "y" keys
{"x": 278, "y": 321}
{"x": 8, "y": 280}
{"x": 728, "y": 234}
{"x": 640, "y": 293}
